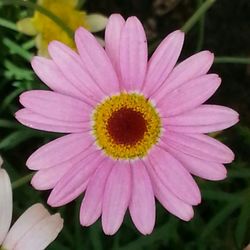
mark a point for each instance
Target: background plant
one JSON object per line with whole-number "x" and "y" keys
{"x": 222, "y": 220}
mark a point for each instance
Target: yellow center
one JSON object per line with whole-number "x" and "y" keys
{"x": 126, "y": 126}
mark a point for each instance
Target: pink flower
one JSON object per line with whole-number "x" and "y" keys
{"x": 135, "y": 126}
{"x": 35, "y": 229}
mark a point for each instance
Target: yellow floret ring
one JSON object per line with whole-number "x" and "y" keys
{"x": 126, "y": 126}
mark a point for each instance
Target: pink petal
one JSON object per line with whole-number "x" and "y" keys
{"x": 191, "y": 68}
{"x": 200, "y": 146}
{"x": 174, "y": 176}
{"x": 112, "y": 40}
{"x": 36, "y": 121}
{"x": 203, "y": 119}
{"x": 56, "y": 106}
{"x": 91, "y": 207}
{"x": 41, "y": 234}
{"x": 28, "y": 219}
{"x": 96, "y": 61}
{"x": 142, "y": 204}
{"x": 171, "y": 203}
{"x": 74, "y": 182}
{"x": 162, "y": 61}
{"x": 59, "y": 151}
{"x": 116, "y": 198}
{"x": 205, "y": 169}
{"x": 188, "y": 96}
{"x": 74, "y": 70}
{"x": 5, "y": 204}
{"x": 51, "y": 75}
{"x": 47, "y": 178}
{"x": 133, "y": 54}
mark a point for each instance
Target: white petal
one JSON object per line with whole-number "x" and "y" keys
{"x": 42, "y": 234}
{"x": 5, "y": 204}
{"x": 28, "y": 219}
{"x": 1, "y": 161}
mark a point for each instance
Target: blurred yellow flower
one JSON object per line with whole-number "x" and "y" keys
{"x": 47, "y": 30}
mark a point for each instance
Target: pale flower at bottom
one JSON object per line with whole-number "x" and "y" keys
{"x": 34, "y": 230}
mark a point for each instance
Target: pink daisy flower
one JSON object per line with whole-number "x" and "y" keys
{"x": 135, "y": 127}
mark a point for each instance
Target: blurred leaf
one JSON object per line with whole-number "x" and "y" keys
{"x": 239, "y": 173}
{"x": 15, "y": 72}
{"x": 242, "y": 223}
{"x": 14, "y": 139}
{"x": 116, "y": 242}
{"x": 218, "y": 219}
{"x": 7, "y": 24}
{"x": 21, "y": 181}
{"x": 29, "y": 85}
{"x": 244, "y": 133}
{"x": 220, "y": 195}
{"x": 95, "y": 237}
{"x": 201, "y": 32}
{"x": 56, "y": 245}
{"x": 164, "y": 232}
{"x": 17, "y": 49}
{"x": 29, "y": 44}
{"x": 8, "y": 124}
{"x": 9, "y": 98}
{"x": 78, "y": 239}
{"x": 80, "y": 3}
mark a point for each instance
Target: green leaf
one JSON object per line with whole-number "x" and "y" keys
{"x": 29, "y": 44}
{"x": 16, "y": 72}
{"x": 17, "y": 137}
{"x": 219, "y": 218}
{"x": 78, "y": 236}
{"x": 232, "y": 59}
{"x": 164, "y": 232}
{"x": 17, "y": 49}
{"x": 7, "y": 24}
{"x": 8, "y": 124}
{"x": 9, "y": 98}
{"x": 14, "y": 139}
{"x": 239, "y": 173}
{"x": 218, "y": 195}
{"x": 243, "y": 222}
{"x": 95, "y": 237}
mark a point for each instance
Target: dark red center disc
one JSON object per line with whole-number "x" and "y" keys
{"x": 126, "y": 126}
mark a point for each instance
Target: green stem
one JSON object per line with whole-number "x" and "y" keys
{"x": 197, "y": 15}
{"x": 42, "y": 10}
{"x": 23, "y": 180}
{"x": 200, "y": 29}
{"x": 228, "y": 59}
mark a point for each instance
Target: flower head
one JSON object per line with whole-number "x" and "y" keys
{"x": 135, "y": 127}
{"x": 46, "y": 30}
{"x": 35, "y": 229}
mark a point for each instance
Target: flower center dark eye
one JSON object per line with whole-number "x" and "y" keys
{"x": 126, "y": 126}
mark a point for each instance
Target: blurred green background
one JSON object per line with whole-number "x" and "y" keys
{"x": 222, "y": 221}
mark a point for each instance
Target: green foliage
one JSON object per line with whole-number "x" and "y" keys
{"x": 222, "y": 221}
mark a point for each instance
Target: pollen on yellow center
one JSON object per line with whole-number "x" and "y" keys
{"x": 126, "y": 126}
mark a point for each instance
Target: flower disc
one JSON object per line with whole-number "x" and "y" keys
{"x": 126, "y": 126}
